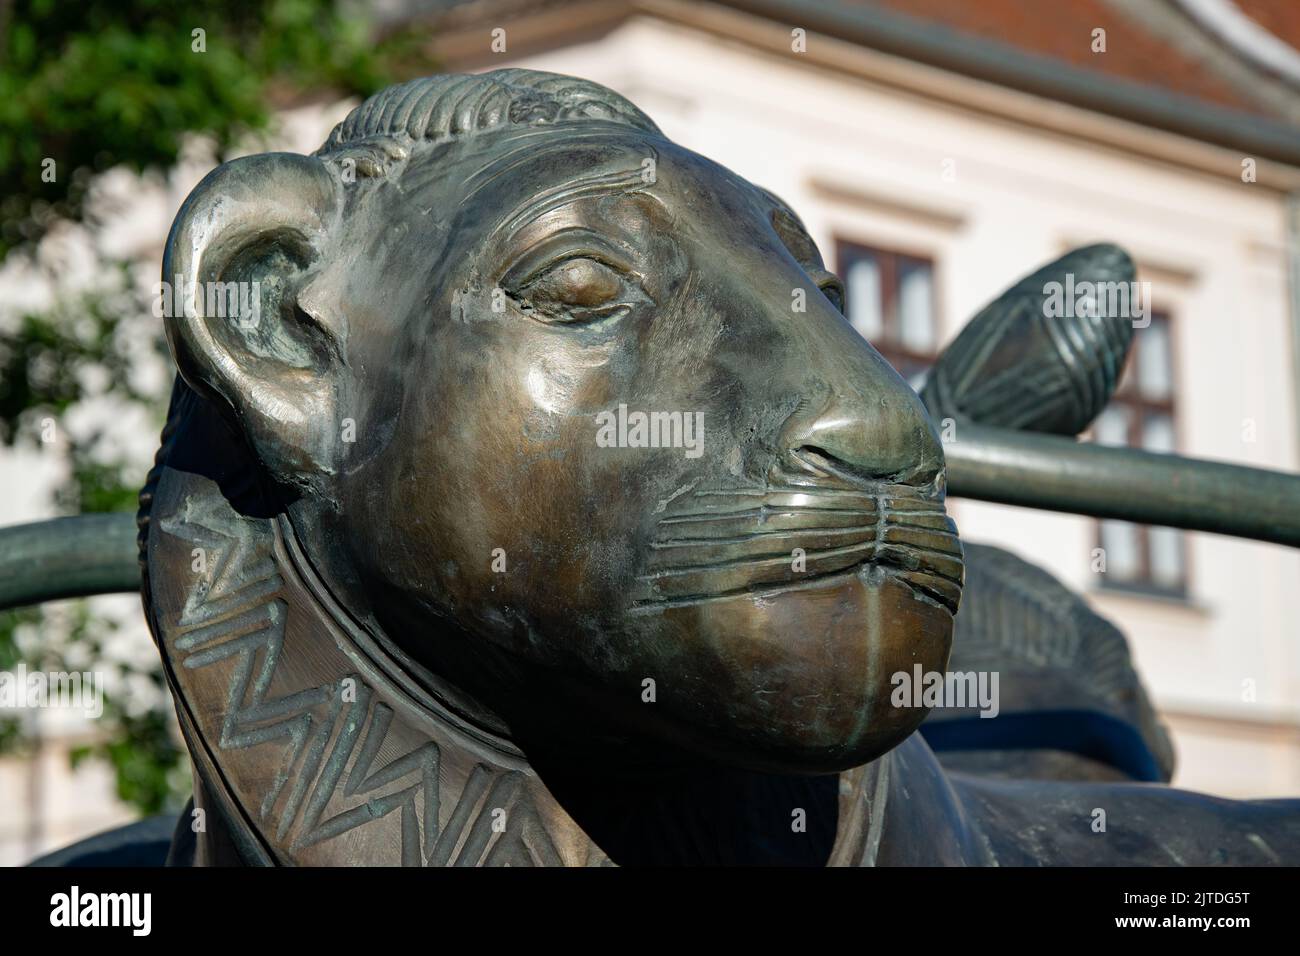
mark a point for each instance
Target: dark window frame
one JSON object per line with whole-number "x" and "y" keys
{"x": 890, "y": 344}
{"x": 1142, "y": 407}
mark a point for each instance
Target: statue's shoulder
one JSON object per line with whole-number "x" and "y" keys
{"x": 144, "y": 843}
{"x": 1069, "y": 703}
{"x": 1067, "y": 823}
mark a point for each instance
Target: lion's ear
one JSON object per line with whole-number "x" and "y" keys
{"x": 235, "y": 263}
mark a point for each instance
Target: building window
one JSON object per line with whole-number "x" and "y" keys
{"x": 1141, "y": 415}
{"x": 890, "y": 300}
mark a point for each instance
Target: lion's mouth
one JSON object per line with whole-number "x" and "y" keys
{"x": 712, "y": 544}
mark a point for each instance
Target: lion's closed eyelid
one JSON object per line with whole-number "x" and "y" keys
{"x": 573, "y": 243}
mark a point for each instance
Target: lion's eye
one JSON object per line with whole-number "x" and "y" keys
{"x": 575, "y": 290}
{"x": 580, "y": 282}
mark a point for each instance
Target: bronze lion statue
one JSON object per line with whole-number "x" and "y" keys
{"x": 534, "y": 502}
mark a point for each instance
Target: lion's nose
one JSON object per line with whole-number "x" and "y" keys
{"x": 881, "y": 435}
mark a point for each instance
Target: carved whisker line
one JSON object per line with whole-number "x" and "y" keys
{"x": 762, "y": 512}
{"x": 671, "y": 543}
{"x": 946, "y": 526}
{"x": 757, "y": 563}
{"x": 815, "y": 491}
{"x": 921, "y": 565}
{"x": 923, "y": 535}
{"x": 943, "y": 563}
{"x": 648, "y": 605}
{"x": 929, "y": 591}
{"x": 891, "y": 504}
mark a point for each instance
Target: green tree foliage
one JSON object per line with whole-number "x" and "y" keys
{"x": 98, "y": 83}
{"x": 86, "y": 87}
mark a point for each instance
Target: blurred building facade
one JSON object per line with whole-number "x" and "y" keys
{"x": 937, "y": 151}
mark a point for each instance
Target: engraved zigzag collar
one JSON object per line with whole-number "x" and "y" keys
{"x": 316, "y": 746}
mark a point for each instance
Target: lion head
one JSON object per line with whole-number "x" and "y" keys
{"x": 572, "y": 416}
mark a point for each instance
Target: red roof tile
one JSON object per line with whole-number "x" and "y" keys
{"x": 1279, "y": 17}
{"x": 1063, "y": 31}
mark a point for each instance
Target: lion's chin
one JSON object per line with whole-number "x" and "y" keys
{"x": 800, "y": 680}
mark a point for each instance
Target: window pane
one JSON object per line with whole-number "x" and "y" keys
{"x": 916, "y": 306}
{"x": 1166, "y": 557}
{"x": 1119, "y": 539}
{"x": 1111, "y": 427}
{"x": 862, "y": 285}
{"x": 1137, "y": 554}
{"x": 1154, "y": 361}
{"x": 1158, "y": 434}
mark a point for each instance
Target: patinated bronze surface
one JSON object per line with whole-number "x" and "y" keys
{"x": 547, "y": 510}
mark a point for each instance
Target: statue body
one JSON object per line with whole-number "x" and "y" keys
{"x": 547, "y": 510}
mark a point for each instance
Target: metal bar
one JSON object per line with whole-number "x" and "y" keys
{"x": 68, "y": 557}
{"x": 96, "y": 554}
{"x": 1060, "y": 474}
